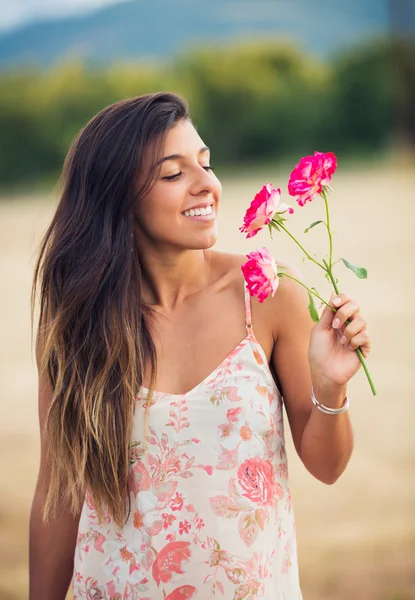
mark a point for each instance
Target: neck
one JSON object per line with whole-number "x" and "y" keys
{"x": 172, "y": 276}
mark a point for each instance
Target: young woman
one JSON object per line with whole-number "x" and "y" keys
{"x": 163, "y": 469}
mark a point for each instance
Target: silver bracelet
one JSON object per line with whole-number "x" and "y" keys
{"x": 327, "y": 409}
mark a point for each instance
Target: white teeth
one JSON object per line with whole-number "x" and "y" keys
{"x": 197, "y": 212}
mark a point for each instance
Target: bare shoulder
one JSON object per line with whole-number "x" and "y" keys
{"x": 226, "y": 267}
{"x": 289, "y": 306}
{"x": 226, "y": 270}
{"x": 277, "y": 314}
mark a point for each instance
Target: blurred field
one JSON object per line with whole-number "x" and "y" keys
{"x": 356, "y": 538}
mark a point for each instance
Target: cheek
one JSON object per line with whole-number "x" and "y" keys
{"x": 218, "y": 189}
{"x": 160, "y": 209}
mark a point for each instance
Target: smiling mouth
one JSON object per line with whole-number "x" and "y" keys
{"x": 199, "y": 212}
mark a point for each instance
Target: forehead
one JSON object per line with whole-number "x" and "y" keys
{"x": 182, "y": 139}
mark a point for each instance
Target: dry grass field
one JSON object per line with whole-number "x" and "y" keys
{"x": 357, "y": 537}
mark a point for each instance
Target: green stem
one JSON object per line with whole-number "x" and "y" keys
{"x": 327, "y": 268}
{"x": 359, "y": 352}
{"x": 302, "y": 248}
{"x": 324, "y": 195}
{"x": 307, "y": 288}
{"x": 330, "y": 274}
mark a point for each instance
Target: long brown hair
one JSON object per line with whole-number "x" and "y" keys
{"x": 94, "y": 326}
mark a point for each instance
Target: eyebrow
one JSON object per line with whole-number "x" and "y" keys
{"x": 179, "y": 156}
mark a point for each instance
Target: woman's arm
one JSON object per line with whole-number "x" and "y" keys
{"x": 51, "y": 545}
{"x": 307, "y": 355}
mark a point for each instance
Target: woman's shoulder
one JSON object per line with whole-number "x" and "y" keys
{"x": 274, "y": 310}
{"x": 228, "y": 265}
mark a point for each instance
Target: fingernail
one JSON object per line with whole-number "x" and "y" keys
{"x": 343, "y": 339}
{"x": 337, "y": 301}
{"x": 336, "y": 323}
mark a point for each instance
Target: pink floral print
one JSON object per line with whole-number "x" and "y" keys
{"x": 210, "y": 507}
{"x": 170, "y": 560}
{"x": 256, "y": 478}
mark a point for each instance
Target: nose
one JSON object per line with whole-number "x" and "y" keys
{"x": 204, "y": 182}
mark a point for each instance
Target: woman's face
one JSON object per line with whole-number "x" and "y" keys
{"x": 185, "y": 183}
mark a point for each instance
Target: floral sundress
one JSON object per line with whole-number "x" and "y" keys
{"x": 211, "y": 513}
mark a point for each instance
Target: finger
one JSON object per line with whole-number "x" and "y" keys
{"x": 354, "y": 328}
{"x": 350, "y": 310}
{"x": 326, "y": 317}
{"x": 337, "y": 300}
{"x": 362, "y": 341}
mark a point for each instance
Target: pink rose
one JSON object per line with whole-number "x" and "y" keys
{"x": 311, "y": 175}
{"x": 263, "y": 207}
{"x": 261, "y": 274}
{"x": 170, "y": 560}
{"x": 256, "y": 478}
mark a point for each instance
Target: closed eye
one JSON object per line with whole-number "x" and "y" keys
{"x": 177, "y": 175}
{"x": 173, "y": 177}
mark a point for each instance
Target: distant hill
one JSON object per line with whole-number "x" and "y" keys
{"x": 160, "y": 28}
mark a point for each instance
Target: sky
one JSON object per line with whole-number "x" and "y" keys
{"x": 17, "y": 12}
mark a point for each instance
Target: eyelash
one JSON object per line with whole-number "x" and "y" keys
{"x": 177, "y": 175}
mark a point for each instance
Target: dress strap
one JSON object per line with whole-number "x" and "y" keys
{"x": 248, "y": 316}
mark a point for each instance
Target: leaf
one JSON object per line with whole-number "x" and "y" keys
{"x": 189, "y": 462}
{"x": 312, "y": 309}
{"x": 139, "y": 478}
{"x": 182, "y": 592}
{"x": 275, "y": 225}
{"x": 261, "y": 517}
{"x": 228, "y": 459}
{"x": 241, "y": 592}
{"x": 224, "y": 507}
{"x": 312, "y": 225}
{"x": 236, "y": 575}
{"x": 248, "y": 529}
{"x": 359, "y": 271}
{"x": 233, "y": 492}
{"x": 220, "y": 586}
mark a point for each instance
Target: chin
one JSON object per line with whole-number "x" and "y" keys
{"x": 202, "y": 243}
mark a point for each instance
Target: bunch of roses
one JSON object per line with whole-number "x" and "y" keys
{"x": 310, "y": 178}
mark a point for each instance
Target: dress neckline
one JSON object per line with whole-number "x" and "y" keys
{"x": 233, "y": 352}
{"x": 258, "y": 352}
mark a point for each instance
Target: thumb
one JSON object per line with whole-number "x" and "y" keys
{"x": 327, "y": 315}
